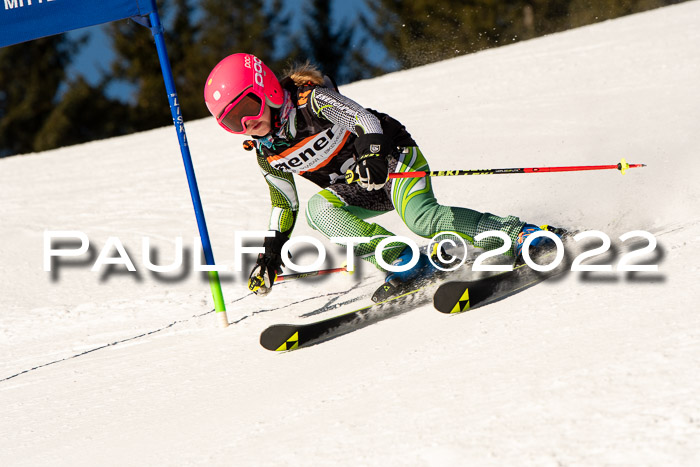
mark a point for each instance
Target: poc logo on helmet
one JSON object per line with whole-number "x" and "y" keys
{"x": 257, "y": 67}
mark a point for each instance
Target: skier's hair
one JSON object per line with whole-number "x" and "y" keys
{"x": 303, "y": 73}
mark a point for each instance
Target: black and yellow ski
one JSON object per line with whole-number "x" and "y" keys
{"x": 282, "y": 337}
{"x": 460, "y": 296}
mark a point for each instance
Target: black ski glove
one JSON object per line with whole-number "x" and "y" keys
{"x": 269, "y": 264}
{"x": 372, "y": 168}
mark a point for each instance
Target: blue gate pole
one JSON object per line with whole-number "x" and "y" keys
{"x": 178, "y": 121}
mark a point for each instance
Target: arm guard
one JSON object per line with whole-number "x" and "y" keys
{"x": 283, "y": 196}
{"x": 343, "y": 111}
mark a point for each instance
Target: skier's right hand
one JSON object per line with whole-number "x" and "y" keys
{"x": 371, "y": 171}
{"x": 268, "y": 265}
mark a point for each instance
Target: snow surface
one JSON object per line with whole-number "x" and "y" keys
{"x": 121, "y": 368}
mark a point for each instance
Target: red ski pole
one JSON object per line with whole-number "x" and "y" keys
{"x": 622, "y": 166}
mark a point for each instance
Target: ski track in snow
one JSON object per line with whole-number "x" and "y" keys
{"x": 118, "y": 368}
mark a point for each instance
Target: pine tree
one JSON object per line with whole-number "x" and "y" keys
{"x": 249, "y": 26}
{"x": 31, "y": 74}
{"x": 582, "y": 12}
{"x": 84, "y": 113}
{"x": 190, "y": 67}
{"x": 334, "y": 49}
{"x": 424, "y": 31}
{"x": 137, "y": 64}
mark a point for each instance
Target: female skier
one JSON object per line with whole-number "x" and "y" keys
{"x": 303, "y": 126}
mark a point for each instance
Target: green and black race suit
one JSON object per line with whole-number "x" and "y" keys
{"x": 314, "y": 137}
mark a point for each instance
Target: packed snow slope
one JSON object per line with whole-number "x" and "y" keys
{"x": 129, "y": 368}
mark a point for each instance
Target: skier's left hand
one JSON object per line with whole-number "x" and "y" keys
{"x": 268, "y": 266}
{"x": 372, "y": 168}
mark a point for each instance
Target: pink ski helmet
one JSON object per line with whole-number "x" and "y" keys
{"x": 237, "y": 90}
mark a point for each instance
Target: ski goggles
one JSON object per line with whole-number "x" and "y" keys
{"x": 248, "y": 106}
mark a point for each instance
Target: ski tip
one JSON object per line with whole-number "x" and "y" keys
{"x": 280, "y": 338}
{"x": 452, "y": 297}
